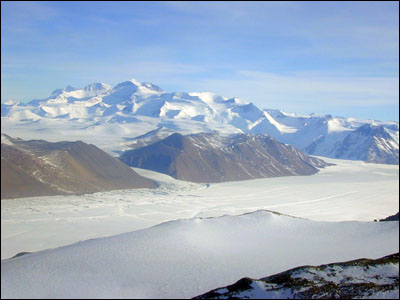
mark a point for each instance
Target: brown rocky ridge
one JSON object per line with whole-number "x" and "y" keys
{"x": 40, "y": 168}
{"x": 210, "y": 157}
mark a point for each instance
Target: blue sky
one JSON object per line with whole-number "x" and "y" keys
{"x": 339, "y": 58}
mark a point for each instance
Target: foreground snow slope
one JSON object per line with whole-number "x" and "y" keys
{"x": 185, "y": 258}
{"x": 349, "y": 190}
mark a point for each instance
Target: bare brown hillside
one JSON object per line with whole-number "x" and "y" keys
{"x": 210, "y": 157}
{"x": 40, "y": 168}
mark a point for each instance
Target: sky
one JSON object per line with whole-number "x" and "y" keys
{"x": 339, "y": 58}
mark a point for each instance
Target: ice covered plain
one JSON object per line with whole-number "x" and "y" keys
{"x": 348, "y": 191}
{"x": 193, "y": 254}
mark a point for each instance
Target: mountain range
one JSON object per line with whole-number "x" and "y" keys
{"x": 136, "y": 108}
{"x": 40, "y": 168}
{"x": 211, "y": 157}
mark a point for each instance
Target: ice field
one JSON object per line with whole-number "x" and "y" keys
{"x": 350, "y": 190}
{"x": 184, "y": 258}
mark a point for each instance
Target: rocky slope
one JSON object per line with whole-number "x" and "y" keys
{"x": 361, "y": 278}
{"x": 211, "y": 157}
{"x": 138, "y": 107}
{"x": 40, "y": 168}
{"x": 148, "y": 138}
{"x": 394, "y": 217}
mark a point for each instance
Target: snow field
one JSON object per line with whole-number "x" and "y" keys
{"x": 347, "y": 191}
{"x": 185, "y": 258}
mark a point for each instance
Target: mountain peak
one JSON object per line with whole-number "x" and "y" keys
{"x": 69, "y": 88}
{"x": 152, "y": 87}
{"x": 11, "y": 102}
{"x": 135, "y": 82}
{"x": 369, "y": 128}
{"x": 97, "y": 86}
{"x": 145, "y": 85}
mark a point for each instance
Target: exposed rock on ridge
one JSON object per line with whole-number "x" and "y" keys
{"x": 40, "y": 168}
{"x": 210, "y": 157}
{"x": 361, "y": 278}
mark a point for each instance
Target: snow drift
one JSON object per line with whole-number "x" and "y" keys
{"x": 185, "y": 258}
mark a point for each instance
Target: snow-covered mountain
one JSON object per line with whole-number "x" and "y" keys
{"x": 368, "y": 142}
{"x": 185, "y": 258}
{"x": 361, "y": 278}
{"x": 142, "y": 107}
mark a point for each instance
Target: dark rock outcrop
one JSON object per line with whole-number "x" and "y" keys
{"x": 361, "y": 278}
{"x": 390, "y": 218}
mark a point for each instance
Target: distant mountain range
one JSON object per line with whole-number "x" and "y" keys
{"x": 135, "y": 108}
{"x": 40, "y": 168}
{"x": 361, "y": 278}
{"x": 210, "y": 157}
